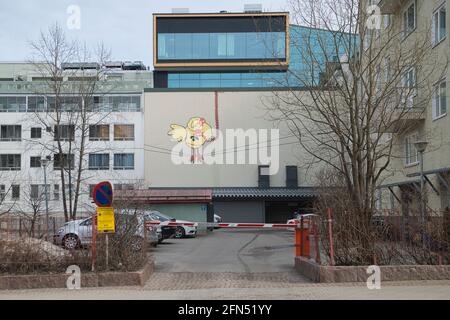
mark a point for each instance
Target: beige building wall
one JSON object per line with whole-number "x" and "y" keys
{"x": 236, "y": 109}
{"x": 434, "y": 130}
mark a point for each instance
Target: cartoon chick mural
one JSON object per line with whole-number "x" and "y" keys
{"x": 196, "y": 133}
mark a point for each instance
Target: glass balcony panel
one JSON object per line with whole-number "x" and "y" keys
{"x": 200, "y": 46}
{"x": 183, "y": 46}
{"x": 166, "y": 46}
{"x": 221, "y": 46}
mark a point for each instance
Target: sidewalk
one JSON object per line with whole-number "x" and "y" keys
{"x": 430, "y": 290}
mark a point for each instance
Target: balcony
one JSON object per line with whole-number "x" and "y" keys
{"x": 390, "y": 6}
{"x": 403, "y": 119}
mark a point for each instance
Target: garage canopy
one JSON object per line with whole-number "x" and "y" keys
{"x": 163, "y": 195}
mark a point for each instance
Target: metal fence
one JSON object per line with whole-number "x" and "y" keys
{"x": 33, "y": 245}
{"x": 393, "y": 239}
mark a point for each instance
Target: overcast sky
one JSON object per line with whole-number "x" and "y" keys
{"x": 125, "y": 26}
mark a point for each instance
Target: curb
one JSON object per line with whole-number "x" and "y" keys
{"x": 100, "y": 279}
{"x": 336, "y": 274}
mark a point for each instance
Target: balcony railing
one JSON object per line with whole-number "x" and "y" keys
{"x": 406, "y": 118}
{"x": 390, "y": 6}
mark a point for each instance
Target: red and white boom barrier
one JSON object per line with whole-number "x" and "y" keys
{"x": 302, "y": 244}
{"x": 228, "y": 225}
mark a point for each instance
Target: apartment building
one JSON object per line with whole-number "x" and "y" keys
{"x": 400, "y": 190}
{"x": 223, "y": 70}
{"x": 114, "y": 146}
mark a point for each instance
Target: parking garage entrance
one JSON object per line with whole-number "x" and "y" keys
{"x": 281, "y": 211}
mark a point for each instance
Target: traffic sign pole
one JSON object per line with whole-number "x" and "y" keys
{"x": 107, "y": 253}
{"x": 102, "y": 194}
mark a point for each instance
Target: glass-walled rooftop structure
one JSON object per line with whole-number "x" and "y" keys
{"x": 220, "y": 40}
{"x": 240, "y": 50}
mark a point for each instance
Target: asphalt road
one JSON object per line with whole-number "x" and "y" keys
{"x": 228, "y": 250}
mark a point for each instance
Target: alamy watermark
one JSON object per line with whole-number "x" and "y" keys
{"x": 74, "y": 280}
{"x": 232, "y": 146}
{"x": 74, "y": 20}
{"x": 373, "y": 22}
{"x": 374, "y": 279}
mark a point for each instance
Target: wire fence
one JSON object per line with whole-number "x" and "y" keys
{"x": 392, "y": 238}
{"x": 49, "y": 246}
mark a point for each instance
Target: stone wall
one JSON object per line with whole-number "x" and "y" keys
{"x": 91, "y": 279}
{"x": 318, "y": 273}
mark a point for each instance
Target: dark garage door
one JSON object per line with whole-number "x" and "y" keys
{"x": 240, "y": 211}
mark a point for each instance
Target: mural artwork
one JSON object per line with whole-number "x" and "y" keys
{"x": 196, "y": 133}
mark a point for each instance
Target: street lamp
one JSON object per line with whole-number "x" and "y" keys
{"x": 44, "y": 164}
{"x": 421, "y": 147}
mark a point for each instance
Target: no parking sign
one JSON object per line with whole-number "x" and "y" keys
{"x": 103, "y": 198}
{"x": 103, "y": 194}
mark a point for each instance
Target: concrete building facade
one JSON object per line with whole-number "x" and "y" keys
{"x": 225, "y": 70}
{"x": 400, "y": 189}
{"x": 114, "y": 146}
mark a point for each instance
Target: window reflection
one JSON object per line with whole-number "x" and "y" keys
{"x": 227, "y": 80}
{"x": 207, "y": 46}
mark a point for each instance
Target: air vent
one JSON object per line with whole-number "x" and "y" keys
{"x": 80, "y": 66}
{"x": 180, "y": 10}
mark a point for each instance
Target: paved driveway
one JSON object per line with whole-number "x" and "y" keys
{"x": 229, "y": 250}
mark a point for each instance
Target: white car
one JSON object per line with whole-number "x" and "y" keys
{"x": 297, "y": 220}
{"x": 181, "y": 231}
{"x": 185, "y": 231}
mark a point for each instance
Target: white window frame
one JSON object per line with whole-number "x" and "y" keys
{"x": 56, "y": 192}
{"x": 436, "y": 104}
{"x": 2, "y": 192}
{"x": 436, "y": 36}
{"x": 117, "y": 166}
{"x": 129, "y": 138}
{"x": 387, "y": 21}
{"x": 405, "y": 21}
{"x": 409, "y": 147}
{"x": 410, "y": 87}
{"x": 12, "y": 192}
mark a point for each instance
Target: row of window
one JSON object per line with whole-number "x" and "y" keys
{"x": 409, "y": 83}
{"x": 227, "y": 80}
{"x": 122, "y": 161}
{"x": 122, "y": 132}
{"x": 37, "y": 191}
{"x": 69, "y": 103}
{"x": 218, "y": 46}
{"x": 439, "y": 25}
{"x": 409, "y": 23}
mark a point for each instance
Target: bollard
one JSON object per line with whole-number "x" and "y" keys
{"x": 298, "y": 239}
{"x": 94, "y": 242}
{"x": 302, "y": 244}
{"x": 330, "y": 234}
{"x": 316, "y": 242}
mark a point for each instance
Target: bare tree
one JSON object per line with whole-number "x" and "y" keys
{"x": 32, "y": 207}
{"x": 71, "y": 78}
{"x": 360, "y": 85}
{"x": 6, "y": 205}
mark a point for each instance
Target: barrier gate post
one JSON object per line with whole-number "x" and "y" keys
{"x": 302, "y": 244}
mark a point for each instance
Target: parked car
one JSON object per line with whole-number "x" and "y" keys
{"x": 297, "y": 219}
{"x": 217, "y": 219}
{"x": 78, "y": 233}
{"x": 165, "y": 230}
{"x": 180, "y": 231}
